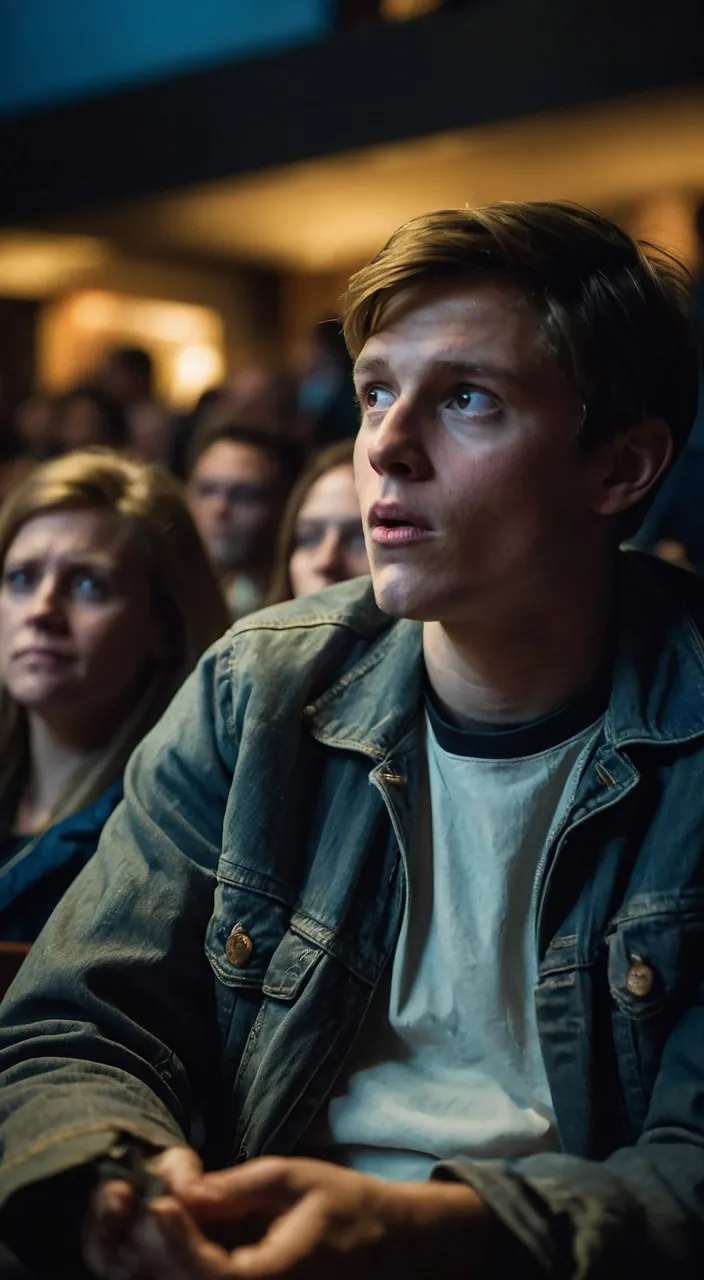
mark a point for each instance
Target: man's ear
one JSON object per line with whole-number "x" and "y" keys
{"x": 636, "y": 459}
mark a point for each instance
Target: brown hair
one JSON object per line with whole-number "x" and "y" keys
{"x": 283, "y": 451}
{"x": 186, "y": 593}
{"x": 615, "y": 313}
{"x": 336, "y": 455}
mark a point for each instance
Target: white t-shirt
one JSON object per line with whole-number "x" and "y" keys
{"x": 448, "y": 1060}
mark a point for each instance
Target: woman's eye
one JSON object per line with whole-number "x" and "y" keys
{"x": 473, "y": 403}
{"x": 354, "y": 539}
{"x": 18, "y": 579}
{"x": 377, "y": 398}
{"x": 307, "y": 540}
{"x": 88, "y": 586}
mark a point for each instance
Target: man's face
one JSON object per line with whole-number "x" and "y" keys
{"x": 472, "y": 488}
{"x": 235, "y": 499}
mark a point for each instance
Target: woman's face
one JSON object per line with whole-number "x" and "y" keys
{"x": 77, "y": 622}
{"x": 329, "y": 541}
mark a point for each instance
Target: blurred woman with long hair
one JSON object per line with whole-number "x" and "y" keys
{"x": 321, "y": 539}
{"x": 107, "y": 600}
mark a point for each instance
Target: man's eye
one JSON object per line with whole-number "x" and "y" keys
{"x": 472, "y": 402}
{"x": 377, "y": 398}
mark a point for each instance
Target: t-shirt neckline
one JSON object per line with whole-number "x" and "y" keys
{"x": 486, "y": 740}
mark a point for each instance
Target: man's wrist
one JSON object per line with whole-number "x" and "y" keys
{"x": 454, "y": 1223}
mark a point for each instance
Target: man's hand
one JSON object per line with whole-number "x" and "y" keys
{"x": 318, "y": 1222}
{"x": 118, "y": 1235}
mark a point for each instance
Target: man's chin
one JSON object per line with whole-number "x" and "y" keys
{"x": 403, "y": 600}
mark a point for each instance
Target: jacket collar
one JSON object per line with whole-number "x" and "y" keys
{"x": 657, "y": 691}
{"x": 658, "y": 685}
{"x": 372, "y": 707}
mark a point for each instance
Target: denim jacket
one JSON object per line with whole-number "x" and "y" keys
{"x": 274, "y": 800}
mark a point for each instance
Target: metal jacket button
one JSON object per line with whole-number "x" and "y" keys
{"x": 239, "y": 947}
{"x": 640, "y": 978}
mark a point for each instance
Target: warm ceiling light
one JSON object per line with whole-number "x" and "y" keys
{"x": 405, "y": 10}
{"x": 33, "y": 265}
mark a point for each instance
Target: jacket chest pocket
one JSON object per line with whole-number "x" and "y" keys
{"x": 244, "y": 931}
{"x": 256, "y": 960}
{"x": 655, "y": 968}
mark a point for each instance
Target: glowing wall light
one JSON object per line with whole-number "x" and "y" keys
{"x": 195, "y": 368}
{"x": 185, "y": 341}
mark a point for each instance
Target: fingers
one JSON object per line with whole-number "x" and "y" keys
{"x": 113, "y": 1202}
{"x": 178, "y": 1168}
{"x": 173, "y": 1248}
{"x": 112, "y": 1217}
{"x": 107, "y": 1226}
{"x": 291, "y": 1241}
{"x": 161, "y": 1244}
{"x": 267, "y": 1186}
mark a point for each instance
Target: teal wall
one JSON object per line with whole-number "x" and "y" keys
{"x": 62, "y": 50}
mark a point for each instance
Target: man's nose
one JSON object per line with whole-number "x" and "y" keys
{"x": 221, "y": 506}
{"x": 397, "y": 445}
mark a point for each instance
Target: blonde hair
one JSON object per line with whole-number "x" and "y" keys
{"x": 186, "y": 595}
{"x": 335, "y": 455}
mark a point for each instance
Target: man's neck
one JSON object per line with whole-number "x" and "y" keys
{"x": 526, "y": 665}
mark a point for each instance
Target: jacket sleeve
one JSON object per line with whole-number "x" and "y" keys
{"x": 639, "y": 1212}
{"x": 114, "y": 1006}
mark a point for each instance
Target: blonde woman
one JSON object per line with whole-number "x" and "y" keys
{"x": 321, "y": 539}
{"x": 107, "y": 600}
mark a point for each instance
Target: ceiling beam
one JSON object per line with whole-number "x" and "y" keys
{"x": 492, "y": 61}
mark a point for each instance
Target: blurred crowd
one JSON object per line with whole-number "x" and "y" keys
{"x": 238, "y": 451}
{"x": 130, "y": 538}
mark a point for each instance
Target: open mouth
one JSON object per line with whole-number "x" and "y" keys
{"x": 398, "y": 532}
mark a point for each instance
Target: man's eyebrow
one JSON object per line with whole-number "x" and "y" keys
{"x": 369, "y": 364}
{"x": 455, "y": 367}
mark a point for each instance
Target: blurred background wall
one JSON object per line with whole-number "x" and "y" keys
{"x": 199, "y": 177}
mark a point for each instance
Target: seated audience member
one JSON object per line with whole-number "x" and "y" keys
{"x": 238, "y": 482}
{"x": 107, "y": 600}
{"x": 33, "y": 427}
{"x": 87, "y": 417}
{"x": 326, "y": 405}
{"x": 321, "y": 539}
{"x": 406, "y": 891}
{"x": 261, "y": 397}
{"x": 9, "y": 441}
{"x": 187, "y": 426}
{"x": 127, "y": 375}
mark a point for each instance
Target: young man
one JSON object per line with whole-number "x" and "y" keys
{"x": 407, "y": 896}
{"x": 238, "y": 482}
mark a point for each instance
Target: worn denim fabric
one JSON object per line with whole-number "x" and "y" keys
{"x": 277, "y": 795}
{"x": 32, "y": 882}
